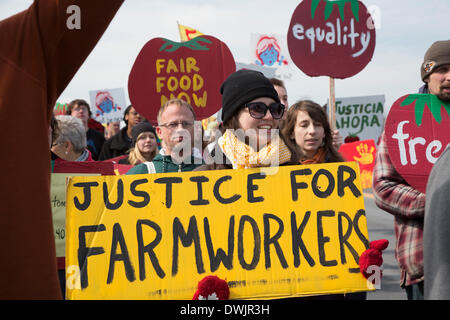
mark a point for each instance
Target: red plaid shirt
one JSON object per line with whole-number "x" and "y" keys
{"x": 394, "y": 195}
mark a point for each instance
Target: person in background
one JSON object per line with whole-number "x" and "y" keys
{"x": 39, "y": 56}
{"x": 282, "y": 94}
{"x": 176, "y": 129}
{"x": 70, "y": 143}
{"x": 112, "y": 128}
{"x": 436, "y": 231}
{"x": 308, "y": 131}
{"x": 393, "y": 194}
{"x": 251, "y": 105}
{"x": 80, "y": 109}
{"x": 120, "y": 143}
{"x": 144, "y": 145}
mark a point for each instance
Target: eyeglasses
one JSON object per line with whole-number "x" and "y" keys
{"x": 174, "y": 125}
{"x": 258, "y": 110}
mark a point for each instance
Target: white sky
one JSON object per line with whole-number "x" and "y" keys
{"x": 407, "y": 29}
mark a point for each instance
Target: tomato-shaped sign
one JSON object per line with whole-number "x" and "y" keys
{"x": 417, "y": 132}
{"x": 193, "y": 71}
{"x": 331, "y": 38}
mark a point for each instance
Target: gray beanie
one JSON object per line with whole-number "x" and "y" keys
{"x": 437, "y": 55}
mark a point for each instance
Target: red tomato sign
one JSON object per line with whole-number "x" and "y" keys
{"x": 417, "y": 132}
{"x": 193, "y": 71}
{"x": 331, "y": 38}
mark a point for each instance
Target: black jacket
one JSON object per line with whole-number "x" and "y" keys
{"x": 116, "y": 145}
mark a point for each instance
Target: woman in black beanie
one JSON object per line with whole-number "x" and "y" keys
{"x": 251, "y": 115}
{"x": 144, "y": 144}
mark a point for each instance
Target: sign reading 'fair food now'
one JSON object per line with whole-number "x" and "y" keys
{"x": 331, "y": 38}
{"x": 192, "y": 71}
{"x": 297, "y": 232}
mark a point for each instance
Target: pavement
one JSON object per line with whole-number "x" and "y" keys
{"x": 380, "y": 225}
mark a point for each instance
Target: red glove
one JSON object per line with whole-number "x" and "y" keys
{"x": 212, "y": 288}
{"x": 372, "y": 256}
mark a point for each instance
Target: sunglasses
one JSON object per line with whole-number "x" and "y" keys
{"x": 258, "y": 110}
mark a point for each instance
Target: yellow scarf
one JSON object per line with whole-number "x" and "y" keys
{"x": 242, "y": 155}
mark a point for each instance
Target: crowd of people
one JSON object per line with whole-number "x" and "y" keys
{"x": 257, "y": 129}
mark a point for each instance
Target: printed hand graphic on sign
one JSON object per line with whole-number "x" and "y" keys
{"x": 365, "y": 155}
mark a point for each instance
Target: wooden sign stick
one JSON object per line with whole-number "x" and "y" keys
{"x": 332, "y": 105}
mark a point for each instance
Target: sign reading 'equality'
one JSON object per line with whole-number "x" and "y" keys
{"x": 297, "y": 232}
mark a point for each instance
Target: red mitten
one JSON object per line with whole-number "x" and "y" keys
{"x": 372, "y": 256}
{"x": 212, "y": 288}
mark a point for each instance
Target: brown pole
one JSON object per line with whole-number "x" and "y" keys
{"x": 332, "y": 105}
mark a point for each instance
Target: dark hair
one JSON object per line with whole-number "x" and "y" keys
{"x": 127, "y": 111}
{"x": 55, "y": 128}
{"x": 317, "y": 113}
{"x": 79, "y": 102}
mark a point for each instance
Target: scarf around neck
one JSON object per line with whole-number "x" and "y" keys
{"x": 319, "y": 157}
{"x": 242, "y": 155}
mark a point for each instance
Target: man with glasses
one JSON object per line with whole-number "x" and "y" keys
{"x": 176, "y": 120}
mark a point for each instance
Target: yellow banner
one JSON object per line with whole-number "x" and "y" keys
{"x": 299, "y": 231}
{"x": 58, "y": 204}
{"x": 188, "y": 33}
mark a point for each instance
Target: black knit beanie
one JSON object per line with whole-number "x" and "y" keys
{"x": 242, "y": 87}
{"x": 437, "y": 55}
{"x": 138, "y": 129}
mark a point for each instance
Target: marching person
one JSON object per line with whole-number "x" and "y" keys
{"x": 120, "y": 143}
{"x": 251, "y": 115}
{"x": 393, "y": 194}
{"x": 144, "y": 144}
{"x": 307, "y": 129}
{"x": 176, "y": 120}
{"x": 70, "y": 143}
{"x": 39, "y": 55}
{"x": 80, "y": 109}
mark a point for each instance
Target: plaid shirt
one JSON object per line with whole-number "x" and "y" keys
{"x": 394, "y": 195}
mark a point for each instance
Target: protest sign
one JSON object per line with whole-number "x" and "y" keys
{"x": 60, "y": 109}
{"x": 363, "y": 152}
{"x": 58, "y": 204}
{"x": 268, "y": 72}
{"x": 331, "y": 38}
{"x": 270, "y": 51}
{"x": 361, "y": 117}
{"x": 417, "y": 132}
{"x": 297, "y": 232}
{"x": 108, "y": 105}
{"x": 60, "y": 171}
{"x": 193, "y": 71}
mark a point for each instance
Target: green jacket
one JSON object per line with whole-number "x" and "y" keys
{"x": 164, "y": 164}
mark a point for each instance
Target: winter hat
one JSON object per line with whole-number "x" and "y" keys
{"x": 242, "y": 87}
{"x": 437, "y": 55}
{"x": 139, "y": 128}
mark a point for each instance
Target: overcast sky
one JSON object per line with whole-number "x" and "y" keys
{"x": 407, "y": 29}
